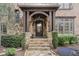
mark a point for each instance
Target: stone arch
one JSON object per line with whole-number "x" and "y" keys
{"x": 44, "y": 23}
{"x": 39, "y": 13}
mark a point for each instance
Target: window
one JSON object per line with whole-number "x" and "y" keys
{"x": 3, "y": 28}
{"x": 64, "y": 24}
{"x": 65, "y": 6}
{"x": 17, "y": 16}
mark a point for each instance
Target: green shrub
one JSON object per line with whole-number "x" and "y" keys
{"x": 66, "y": 39}
{"x": 23, "y": 42}
{"x": 60, "y": 41}
{"x": 11, "y": 40}
{"x": 73, "y": 40}
{"x": 55, "y": 39}
{"x": 10, "y": 51}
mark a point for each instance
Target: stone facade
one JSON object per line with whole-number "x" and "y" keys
{"x": 35, "y": 20}
{"x": 71, "y": 13}
{"x": 14, "y": 28}
{"x": 8, "y": 16}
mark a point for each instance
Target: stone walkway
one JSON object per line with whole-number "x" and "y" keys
{"x": 39, "y": 53}
{"x": 39, "y": 47}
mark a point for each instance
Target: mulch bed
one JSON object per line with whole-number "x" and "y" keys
{"x": 2, "y": 49}
{"x": 69, "y": 46}
{"x": 20, "y": 53}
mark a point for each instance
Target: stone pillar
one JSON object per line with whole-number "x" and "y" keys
{"x": 30, "y": 27}
{"x": 47, "y": 24}
{"x": 24, "y": 20}
{"x": 50, "y": 20}
{"x": 50, "y": 28}
{"x": 44, "y": 28}
{"x": 34, "y": 30}
{"x": 50, "y": 25}
{"x": 28, "y": 21}
{"x": 27, "y": 37}
{"x": 54, "y": 20}
{"x": 47, "y": 28}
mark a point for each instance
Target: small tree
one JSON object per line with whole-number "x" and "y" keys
{"x": 55, "y": 39}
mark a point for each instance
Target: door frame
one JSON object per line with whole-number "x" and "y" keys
{"x": 33, "y": 20}
{"x": 41, "y": 33}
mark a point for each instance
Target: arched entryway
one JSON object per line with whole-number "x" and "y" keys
{"x": 39, "y": 25}
{"x": 39, "y": 28}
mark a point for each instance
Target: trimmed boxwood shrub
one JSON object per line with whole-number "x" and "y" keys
{"x": 12, "y": 40}
{"x": 10, "y": 51}
{"x": 55, "y": 39}
{"x": 73, "y": 40}
{"x": 62, "y": 40}
{"x": 66, "y": 39}
{"x": 23, "y": 42}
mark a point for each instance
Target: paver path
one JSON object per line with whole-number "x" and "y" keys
{"x": 39, "y": 53}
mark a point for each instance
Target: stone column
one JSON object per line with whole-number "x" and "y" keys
{"x": 47, "y": 24}
{"x": 50, "y": 27}
{"x": 34, "y": 30}
{"x": 50, "y": 24}
{"x": 43, "y": 28}
{"x": 47, "y": 28}
{"x": 54, "y": 20}
{"x": 30, "y": 24}
{"x": 50, "y": 20}
{"x": 24, "y": 20}
{"x": 30, "y": 27}
{"x": 28, "y": 21}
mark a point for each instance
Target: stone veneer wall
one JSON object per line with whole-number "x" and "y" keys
{"x": 13, "y": 28}
{"x": 9, "y": 18}
{"x": 74, "y": 11}
{"x": 17, "y": 27}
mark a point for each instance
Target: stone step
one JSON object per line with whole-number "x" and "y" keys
{"x": 38, "y": 41}
{"x": 38, "y": 53}
{"x": 38, "y": 48}
{"x": 35, "y": 42}
{"x": 38, "y": 45}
